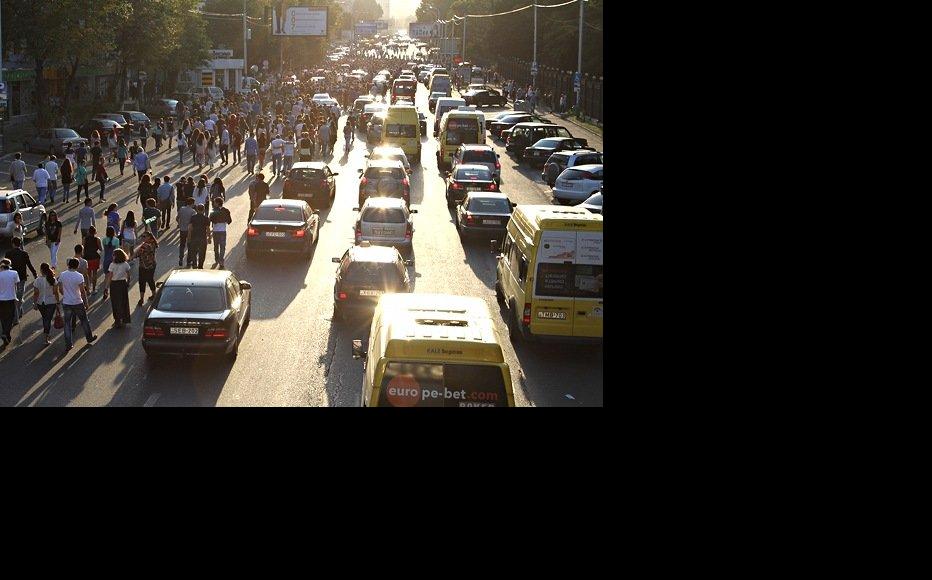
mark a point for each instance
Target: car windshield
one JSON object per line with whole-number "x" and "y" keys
{"x": 385, "y": 173}
{"x": 489, "y": 205}
{"x": 473, "y": 174}
{"x": 66, "y": 134}
{"x": 442, "y": 385}
{"x": 139, "y": 117}
{"x": 307, "y": 174}
{"x": 595, "y": 199}
{"x": 191, "y": 299}
{"x": 397, "y": 130}
{"x": 279, "y": 213}
{"x": 547, "y": 143}
{"x": 478, "y": 156}
{"x": 513, "y": 119}
{"x": 381, "y": 274}
{"x": 385, "y": 215}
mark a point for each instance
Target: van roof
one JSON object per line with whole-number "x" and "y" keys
{"x": 557, "y": 217}
{"x": 409, "y": 319}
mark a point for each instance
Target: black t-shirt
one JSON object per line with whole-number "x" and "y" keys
{"x": 91, "y": 248}
{"x": 96, "y": 151}
{"x": 199, "y": 226}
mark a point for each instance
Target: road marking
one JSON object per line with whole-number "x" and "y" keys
{"x": 150, "y": 402}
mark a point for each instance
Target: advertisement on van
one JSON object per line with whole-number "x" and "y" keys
{"x": 442, "y": 385}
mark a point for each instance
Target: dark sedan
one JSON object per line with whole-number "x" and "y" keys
{"x": 509, "y": 121}
{"x": 483, "y": 213}
{"x": 311, "y": 181}
{"x": 365, "y": 273}
{"x": 103, "y": 126}
{"x": 197, "y": 312}
{"x": 282, "y": 225}
{"x": 484, "y": 97}
{"x": 466, "y": 178}
{"x": 540, "y": 152}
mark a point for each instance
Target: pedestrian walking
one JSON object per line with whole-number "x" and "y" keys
{"x": 157, "y": 133}
{"x": 18, "y": 171}
{"x": 198, "y": 236}
{"x": 237, "y": 144}
{"x": 80, "y": 154}
{"x": 201, "y": 147}
{"x": 51, "y": 167}
{"x": 217, "y": 189}
{"x": 145, "y": 253}
{"x": 141, "y": 163}
{"x": 96, "y": 153}
{"x": 278, "y": 149}
{"x": 73, "y": 288}
{"x": 52, "y": 230}
{"x": 288, "y": 147}
{"x": 86, "y": 219}
{"x": 212, "y": 150}
{"x": 252, "y": 152}
{"x": 144, "y": 136}
{"x": 116, "y": 286}
{"x": 67, "y": 178}
{"x": 101, "y": 177}
{"x": 185, "y": 213}
{"x": 262, "y": 140}
{"x": 92, "y": 249}
{"x": 225, "y": 140}
{"x": 41, "y": 178}
{"x": 166, "y": 200}
{"x": 128, "y": 233}
{"x": 201, "y": 193}
{"x": 182, "y": 146}
{"x": 45, "y": 297}
{"x": 82, "y": 180}
{"x": 169, "y": 131}
{"x": 324, "y": 137}
{"x": 220, "y": 218}
{"x": 258, "y": 192}
{"x": 9, "y": 280}
{"x": 122, "y": 153}
{"x": 151, "y": 212}
{"x": 111, "y": 243}
{"x": 19, "y": 260}
{"x": 113, "y": 146}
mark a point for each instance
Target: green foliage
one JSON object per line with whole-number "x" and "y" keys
{"x": 366, "y": 10}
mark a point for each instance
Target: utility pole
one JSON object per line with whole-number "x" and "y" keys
{"x": 534, "y": 64}
{"x": 582, "y": 19}
{"x": 245, "y": 33}
{"x": 465, "y": 18}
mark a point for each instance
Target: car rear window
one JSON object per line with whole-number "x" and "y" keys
{"x": 385, "y": 173}
{"x": 66, "y": 134}
{"x": 280, "y": 213}
{"x": 547, "y": 143}
{"x": 489, "y": 205}
{"x": 574, "y": 173}
{"x": 479, "y": 157}
{"x": 589, "y": 160}
{"x": 384, "y": 215}
{"x": 471, "y": 174}
{"x": 191, "y": 299}
{"x": 383, "y": 274}
{"x": 307, "y": 174}
{"x": 396, "y": 130}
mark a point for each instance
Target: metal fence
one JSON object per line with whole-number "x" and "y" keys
{"x": 553, "y": 83}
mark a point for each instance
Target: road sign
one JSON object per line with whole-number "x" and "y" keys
{"x": 534, "y": 68}
{"x": 207, "y": 78}
{"x": 577, "y": 80}
{"x": 366, "y": 29}
{"x": 421, "y": 29}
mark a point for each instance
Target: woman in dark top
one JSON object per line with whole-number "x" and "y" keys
{"x": 101, "y": 177}
{"x": 67, "y": 178}
{"x": 144, "y": 191}
{"x": 92, "y": 249}
{"x": 52, "y": 230}
{"x": 217, "y": 189}
{"x": 189, "y": 187}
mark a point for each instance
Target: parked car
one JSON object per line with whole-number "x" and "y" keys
{"x": 593, "y": 203}
{"x": 466, "y": 178}
{"x": 578, "y": 183}
{"x": 498, "y": 127}
{"x": 385, "y": 221}
{"x": 365, "y": 272}
{"x": 198, "y": 312}
{"x": 564, "y": 159}
{"x": 484, "y": 98}
{"x": 19, "y": 200}
{"x": 524, "y": 135}
{"x": 484, "y": 213}
{"x": 103, "y": 126}
{"x": 137, "y": 119}
{"x": 540, "y": 152}
{"x": 165, "y": 107}
{"x": 128, "y": 127}
{"x": 384, "y": 179}
{"x": 479, "y": 155}
{"x": 311, "y": 181}
{"x": 53, "y": 141}
{"x": 368, "y": 111}
{"x": 282, "y": 225}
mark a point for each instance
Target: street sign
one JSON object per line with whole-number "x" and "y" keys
{"x": 421, "y": 29}
{"x": 577, "y": 80}
{"x": 366, "y": 29}
{"x": 534, "y": 68}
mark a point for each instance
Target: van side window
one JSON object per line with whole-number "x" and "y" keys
{"x": 522, "y": 269}
{"x": 506, "y": 248}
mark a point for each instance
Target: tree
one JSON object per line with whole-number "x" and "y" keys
{"x": 367, "y": 10}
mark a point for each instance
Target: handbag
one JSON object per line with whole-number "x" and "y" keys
{"x": 59, "y": 322}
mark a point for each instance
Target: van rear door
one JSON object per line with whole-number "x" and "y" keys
{"x": 568, "y": 284}
{"x": 587, "y": 319}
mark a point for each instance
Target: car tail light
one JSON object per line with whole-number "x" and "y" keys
{"x": 363, "y": 181}
{"x": 219, "y": 333}
{"x": 492, "y": 187}
{"x": 252, "y": 232}
{"x": 358, "y": 230}
{"x": 323, "y": 183}
{"x": 300, "y": 233}
{"x": 153, "y": 332}
{"x": 406, "y": 182}
{"x": 527, "y": 314}
{"x": 341, "y": 296}
{"x": 498, "y": 164}
{"x": 456, "y": 185}
{"x": 409, "y": 231}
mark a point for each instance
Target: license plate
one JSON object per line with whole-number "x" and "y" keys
{"x": 177, "y": 330}
{"x": 491, "y": 222}
{"x": 551, "y": 315}
{"x": 276, "y": 234}
{"x": 473, "y": 188}
{"x": 371, "y": 292}
{"x": 383, "y": 232}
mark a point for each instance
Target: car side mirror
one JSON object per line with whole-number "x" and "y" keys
{"x": 335, "y": 174}
{"x": 413, "y": 211}
{"x": 355, "y": 209}
{"x": 513, "y": 204}
{"x": 335, "y": 260}
{"x": 359, "y": 350}
{"x": 360, "y": 170}
{"x": 245, "y": 285}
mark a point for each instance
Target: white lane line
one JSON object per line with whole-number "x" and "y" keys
{"x": 150, "y": 402}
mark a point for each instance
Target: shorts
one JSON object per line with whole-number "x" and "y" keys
{"x": 93, "y": 265}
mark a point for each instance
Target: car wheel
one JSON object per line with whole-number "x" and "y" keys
{"x": 449, "y": 201}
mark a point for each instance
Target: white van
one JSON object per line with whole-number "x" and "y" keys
{"x": 214, "y": 93}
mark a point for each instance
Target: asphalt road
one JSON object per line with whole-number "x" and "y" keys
{"x": 292, "y": 353}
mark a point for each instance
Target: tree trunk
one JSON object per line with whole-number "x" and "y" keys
{"x": 122, "y": 81}
{"x": 43, "y": 115}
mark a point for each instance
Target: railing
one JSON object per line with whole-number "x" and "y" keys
{"x": 552, "y": 83}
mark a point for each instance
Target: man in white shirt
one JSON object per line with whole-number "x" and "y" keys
{"x": 9, "y": 278}
{"x": 278, "y": 145}
{"x": 51, "y": 167}
{"x": 41, "y": 177}
{"x": 74, "y": 302}
{"x": 288, "y": 148}
{"x": 224, "y": 146}
{"x": 209, "y": 124}
{"x": 209, "y": 105}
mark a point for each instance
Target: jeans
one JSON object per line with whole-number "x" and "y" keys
{"x": 53, "y": 187}
{"x": 224, "y": 150}
{"x": 250, "y": 163}
{"x": 7, "y": 311}
{"x": 288, "y": 162}
{"x": 53, "y": 251}
{"x": 18, "y": 184}
{"x": 182, "y": 244}
{"x": 66, "y": 191}
{"x": 122, "y": 165}
{"x": 41, "y": 192}
{"x": 276, "y": 163}
{"x": 84, "y": 185}
{"x": 79, "y": 312}
{"x": 181, "y": 155}
{"x": 236, "y": 154}
{"x": 197, "y": 248}
{"x": 48, "y": 313}
{"x": 220, "y": 246}
{"x": 20, "y": 290}
{"x": 103, "y": 185}
{"x": 146, "y": 277}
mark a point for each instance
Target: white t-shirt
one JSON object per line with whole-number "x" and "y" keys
{"x": 71, "y": 282}
{"x": 277, "y": 145}
{"x": 46, "y": 290}
{"x": 41, "y": 177}
{"x": 289, "y": 148}
{"x": 52, "y": 168}
{"x": 209, "y": 125}
{"x": 201, "y": 195}
{"x": 8, "y": 281}
{"x": 119, "y": 271}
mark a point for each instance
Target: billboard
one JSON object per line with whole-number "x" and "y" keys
{"x": 421, "y": 29}
{"x": 366, "y": 29}
{"x": 299, "y": 20}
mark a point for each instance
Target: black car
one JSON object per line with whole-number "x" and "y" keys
{"x": 466, "y": 178}
{"x": 524, "y": 135}
{"x": 422, "y": 119}
{"x": 509, "y": 121}
{"x": 197, "y": 312}
{"x": 484, "y": 97}
{"x": 365, "y": 273}
{"x": 103, "y": 126}
{"x": 282, "y": 225}
{"x": 311, "y": 181}
{"x": 540, "y": 152}
{"x": 483, "y": 213}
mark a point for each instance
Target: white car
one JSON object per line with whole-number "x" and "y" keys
{"x": 578, "y": 183}
{"x": 386, "y": 221}
{"x": 321, "y": 97}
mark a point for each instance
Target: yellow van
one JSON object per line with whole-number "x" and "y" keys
{"x": 549, "y": 274}
{"x": 461, "y": 126}
{"x": 402, "y": 128}
{"x": 433, "y": 350}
